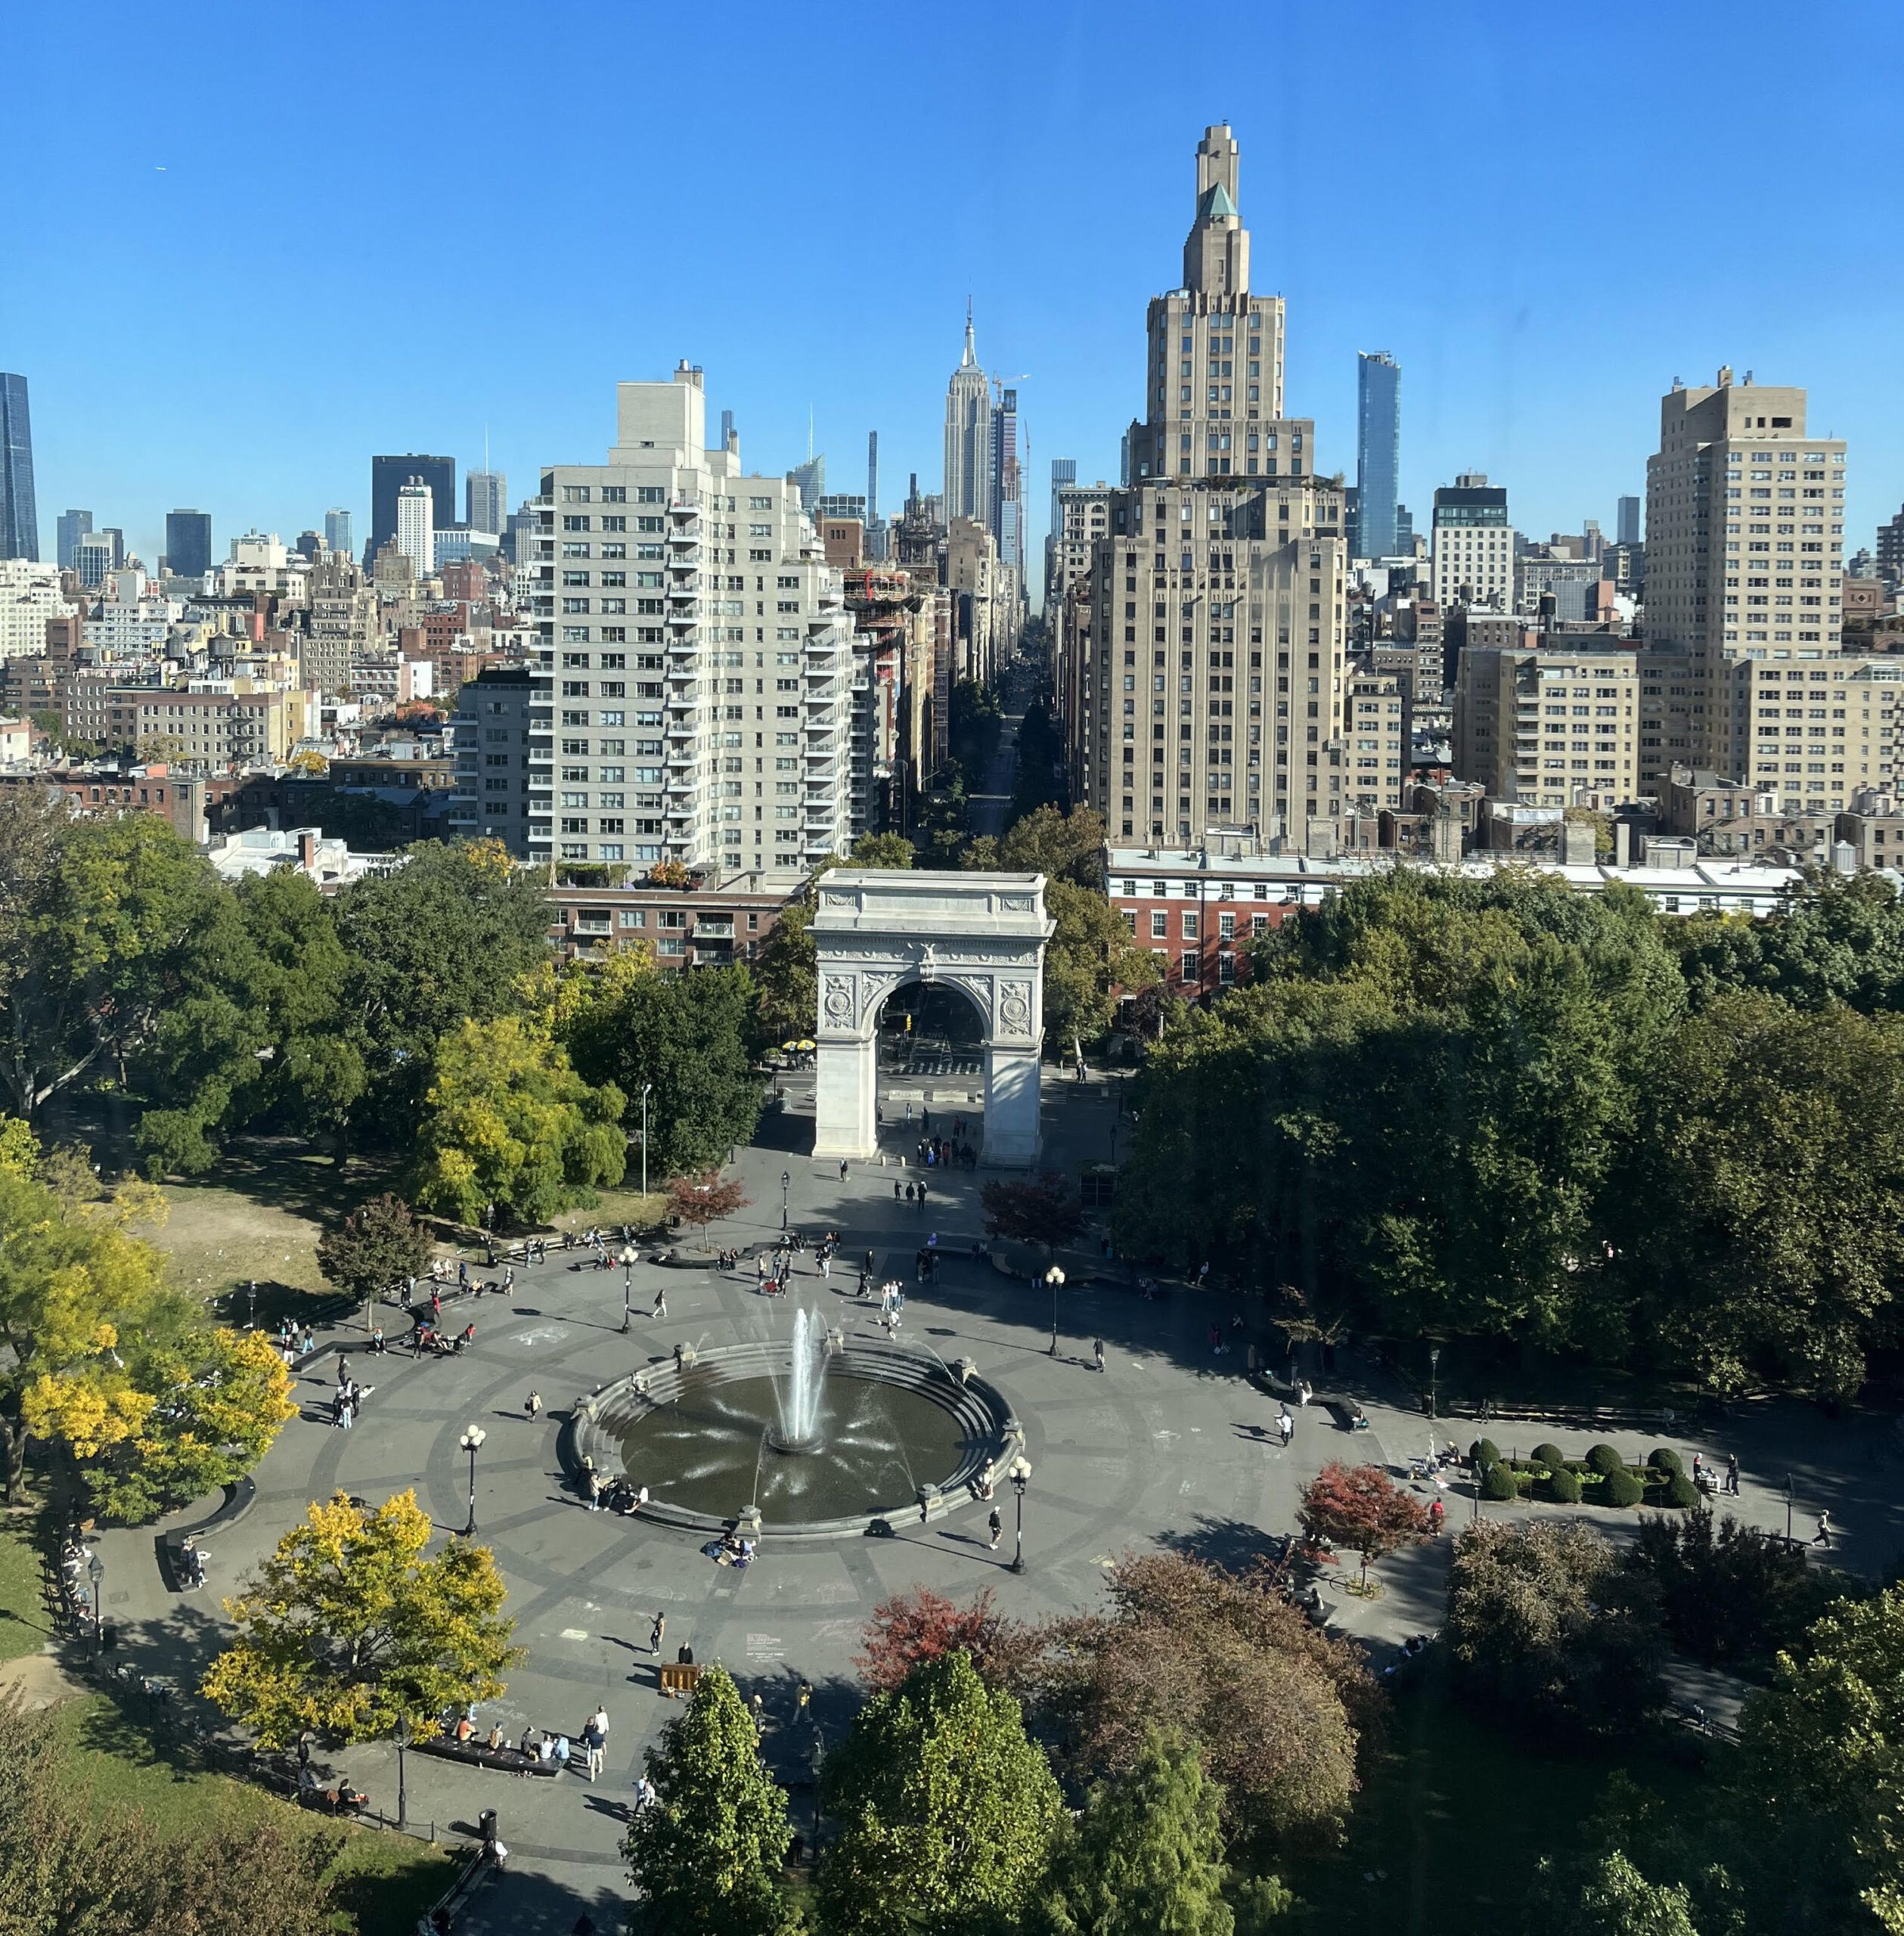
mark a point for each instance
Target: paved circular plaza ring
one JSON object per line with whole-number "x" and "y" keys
{"x": 719, "y": 1440}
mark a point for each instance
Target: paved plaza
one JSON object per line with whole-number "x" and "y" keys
{"x": 1171, "y": 1444}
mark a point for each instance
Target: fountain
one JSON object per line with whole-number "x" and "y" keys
{"x": 799, "y": 1399}
{"x": 869, "y": 1429}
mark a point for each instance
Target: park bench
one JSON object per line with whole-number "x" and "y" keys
{"x": 1347, "y": 1413}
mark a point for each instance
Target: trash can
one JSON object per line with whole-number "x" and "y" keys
{"x": 486, "y": 1825}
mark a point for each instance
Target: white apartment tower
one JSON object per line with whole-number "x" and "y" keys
{"x": 416, "y": 526}
{"x": 1473, "y": 544}
{"x": 969, "y": 455}
{"x": 694, "y": 700}
{"x": 1208, "y": 688}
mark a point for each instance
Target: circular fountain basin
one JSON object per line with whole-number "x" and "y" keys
{"x": 893, "y": 1427}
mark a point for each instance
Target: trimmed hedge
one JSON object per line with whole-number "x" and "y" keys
{"x": 1498, "y": 1482}
{"x": 1605, "y": 1460}
{"x": 1666, "y": 1459}
{"x": 1681, "y": 1491}
{"x": 1622, "y": 1489}
{"x": 1564, "y": 1487}
{"x": 1549, "y": 1455}
{"x": 1484, "y": 1452}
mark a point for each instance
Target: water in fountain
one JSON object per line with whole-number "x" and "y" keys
{"x": 799, "y": 1398}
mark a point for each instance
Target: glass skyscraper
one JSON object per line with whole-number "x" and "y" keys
{"x": 19, "y": 516}
{"x": 1378, "y": 451}
{"x": 188, "y": 543}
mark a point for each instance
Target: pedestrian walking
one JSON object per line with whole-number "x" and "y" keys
{"x": 1286, "y": 1426}
{"x": 655, "y": 1637}
{"x": 909, "y": 1112}
{"x": 843, "y": 1169}
{"x": 1097, "y": 1352}
{"x": 595, "y": 1741}
{"x": 1824, "y": 1538}
{"x": 343, "y": 1371}
{"x": 310, "y": 1340}
{"x": 922, "y": 1194}
{"x": 592, "y": 1484}
{"x": 533, "y": 1407}
{"x": 995, "y": 1523}
{"x": 1437, "y": 1513}
{"x": 895, "y": 1189}
{"x": 827, "y": 1264}
{"x": 660, "y": 1302}
{"x": 926, "y": 1120}
{"x": 911, "y": 1193}
{"x": 1732, "y": 1472}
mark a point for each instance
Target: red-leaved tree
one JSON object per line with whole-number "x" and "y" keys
{"x": 1042, "y": 1212}
{"x": 1361, "y": 1507}
{"x": 921, "y": 1625}
{"x": 699, "y": 1199}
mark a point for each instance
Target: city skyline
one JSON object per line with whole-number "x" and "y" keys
{"x": 267, "y": 417}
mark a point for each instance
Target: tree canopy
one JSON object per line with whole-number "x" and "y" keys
{"x": 350, "y": 1624}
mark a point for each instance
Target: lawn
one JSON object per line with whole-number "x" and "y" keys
{"x": 387, "y": 1881}
{"x": 1445, "y": 1840}
{"x": 24, "y": 1627}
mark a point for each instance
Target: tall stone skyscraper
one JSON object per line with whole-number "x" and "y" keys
{"x": 19, "y": 514}
{"x": 485, "y": 496}
{"x": 969, "y": 451}
{"x": 1202, "y": 664}
{"x": 1378, "y": 450}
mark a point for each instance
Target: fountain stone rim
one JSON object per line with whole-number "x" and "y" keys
{"x": 991, "y": 1429}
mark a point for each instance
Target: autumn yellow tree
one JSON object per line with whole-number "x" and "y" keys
{"x": 157, "y": 1405}
{"x": 351, "y": 1623}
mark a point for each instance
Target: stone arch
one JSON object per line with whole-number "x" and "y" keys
{"x": 876, "y": 930}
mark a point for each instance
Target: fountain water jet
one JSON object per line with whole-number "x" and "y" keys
{"x": 799, "y": 1399}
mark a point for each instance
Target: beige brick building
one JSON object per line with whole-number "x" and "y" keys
{"x": 1206, "y": 673}
{"x": 1555, "y": 727}
{"x": 1375, "y": 731}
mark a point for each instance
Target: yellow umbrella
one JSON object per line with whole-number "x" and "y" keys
{"x": 806, "y": 1045}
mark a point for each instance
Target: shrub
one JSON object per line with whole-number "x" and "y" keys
{"x": 1622, "y": 1489}
{"x": 1681, "y": 1491}
{"x": 1498, "y": 1482}
{"x": 1549, "y": 1455}
{"x": 1605, "y": 1460}
{"x": 1666, "y": 1459}
{"x": 1484, "y": 1452}
{"x": 1564, "y": 1488}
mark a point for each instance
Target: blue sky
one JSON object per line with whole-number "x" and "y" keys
{"x": 242, "y": 248}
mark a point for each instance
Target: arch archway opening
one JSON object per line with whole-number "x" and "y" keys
{"x": 930, "y": 1029}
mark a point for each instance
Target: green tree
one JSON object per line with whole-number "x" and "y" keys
{"x": 1824, "y": 1747}
{"x": 379, "y": 1247}
{"x": 1090, "y": 961}
{"x": 444, "y": 939}
{"x": 349, "y": 1624}
{"x": 1147, "y": 1859}
{"x": 256, "y": 1033}
{"x": 507, "y": 1122}
{"x": 786, "y": 977}
{"x": 689, "y": 1037}
{"x": 946, "y": 1811}
{"x": 1538, "y": 1621}
{"x": 1611, "y": 1898}
{"x": 706, "y": 1856}
{"x": 1042, "y": 1212}
{"x": 1062, "y": 846}
{"x": 883, "y": 850}
{"x": 104, "y": 924}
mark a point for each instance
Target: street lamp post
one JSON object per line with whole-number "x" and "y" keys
{"x": 627, "y": 1282}
{"x": 787, "y": 1184}
{"x": 400, "y": 1734}
{"x": 646, "y": 1088}
{"x": 1434, "y": 1369}
{"x": 472, "y": 1443}
{"x": 1019, "y": 1472}
{"x": 1054, "y": 1278}
{"x": 96, "y": 1573}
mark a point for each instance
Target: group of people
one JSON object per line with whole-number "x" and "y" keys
{"x": 294, "y": 1342}
{"x": 940, "y": 1151}
{"x": 912, "y": 1193}
{"x": 618, "y": 1494}
{"x": 350, "y": 1396}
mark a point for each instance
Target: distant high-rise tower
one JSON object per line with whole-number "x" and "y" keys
{"x": 1064, "y": 470}
{"x": 337, "y": 531}
{"x": 968, "y": 438}
{"x": 388, "y": 476}
{"x": 188, "y": 543}
{"x": 809, "y": 480}
{"x": 872, "y": 477}
{"x": 726, "y": 429}
{"x": 1629, "y": 521}
{"x": 1007, "y": 507}
{"x": 416, "y": 531}
{"x": 70, "y": 527}
{"x": 19, "y": 516}
{"x": 1378, "y": 451}
{"x": 486, "y": 498}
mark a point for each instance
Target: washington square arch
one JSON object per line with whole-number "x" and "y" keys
{"x": 970, "y": 946}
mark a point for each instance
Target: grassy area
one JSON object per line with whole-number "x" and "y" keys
{"x": 386, "y": 1881}
{"x": 1445, "y": 1840}
{"x": 25, "y": 1627}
